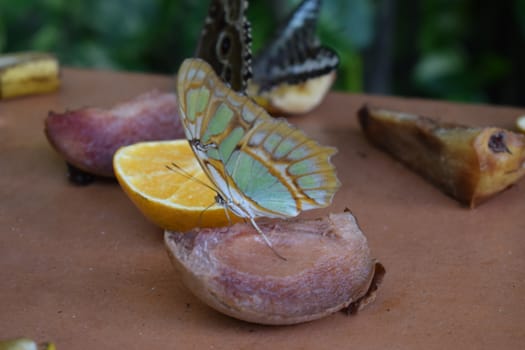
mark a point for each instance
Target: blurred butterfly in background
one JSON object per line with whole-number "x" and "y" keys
{"x": 225, "y": 42}
{"x": 291, "y": 74}
{"x": 259, "y": 166}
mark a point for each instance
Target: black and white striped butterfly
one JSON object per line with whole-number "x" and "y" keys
{"x": 292, "y": 56}
{"x": 295, "y": 53}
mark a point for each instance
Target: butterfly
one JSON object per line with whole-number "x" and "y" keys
{"x": 225, "y": 42}
{"x": 259, "y": 166}
{"x": 295, "y": 53}
{"x": 291, "y": 74}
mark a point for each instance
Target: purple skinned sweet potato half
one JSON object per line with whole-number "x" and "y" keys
{"x": 87, "y": 138}
{"x": 327, "y": 266}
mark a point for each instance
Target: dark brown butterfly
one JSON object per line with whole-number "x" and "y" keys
{"x": 291, "y": 74}
{"x": 225, "y": 42}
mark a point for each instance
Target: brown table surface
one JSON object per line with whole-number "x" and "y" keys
{"x": 81, "y": 267}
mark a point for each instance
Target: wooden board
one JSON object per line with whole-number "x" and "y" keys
{"x": 81, "y": 267}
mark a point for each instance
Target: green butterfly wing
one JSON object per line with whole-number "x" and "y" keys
{"x": 260, "y": 166}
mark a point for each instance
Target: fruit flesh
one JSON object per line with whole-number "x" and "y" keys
{"x": 28, "y": 73}
{"x": 469, "y": 163}
{"x": 175, "y": 198}
{"x": 293, "y": 99}
{"x": 328, "y": 267}
{"x": 520, "y": 123}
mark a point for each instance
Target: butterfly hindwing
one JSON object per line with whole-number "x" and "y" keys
{"x": 294, "y": 54}
{"x": 260, "y": 166}
{"x": 225, "y": 42}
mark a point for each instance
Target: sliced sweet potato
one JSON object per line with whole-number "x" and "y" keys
{"x": 87, "y": 138}
{"x": 328, "y": 267}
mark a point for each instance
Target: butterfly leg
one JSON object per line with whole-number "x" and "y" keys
{"x": 265, "y": 239}
{"x": 220, "y": 201}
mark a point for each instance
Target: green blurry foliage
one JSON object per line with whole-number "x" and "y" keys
{"x": 461, "y": 50}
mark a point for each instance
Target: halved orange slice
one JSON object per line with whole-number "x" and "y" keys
{"x": 164, "y": 195}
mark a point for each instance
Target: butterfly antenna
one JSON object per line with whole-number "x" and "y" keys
{"x": 177, "y": 168}
{"x": 266, "y": 240}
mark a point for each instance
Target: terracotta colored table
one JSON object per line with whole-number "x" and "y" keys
{"x": 81, "y": 267}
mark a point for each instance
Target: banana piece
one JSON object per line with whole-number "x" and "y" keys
{"x": 520, "y": 123}
{"x": 469, "y": 163}
{"x": 24, "y": 344}
{"x": 293, "y": 99}
{"x": 28, "y": 73}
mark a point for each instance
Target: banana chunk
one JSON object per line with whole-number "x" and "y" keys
{"x": 468, "y": 163}
{"x": 520, "y": 123}
{"x": 28, "y": 73}
{"x": 293, "y": 99}
{"x": 24, "y": 344}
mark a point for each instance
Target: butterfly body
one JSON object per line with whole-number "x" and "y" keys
{"x": 260, "y": 166}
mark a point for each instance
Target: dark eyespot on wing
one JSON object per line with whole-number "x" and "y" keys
{"x": 225, "y": 41}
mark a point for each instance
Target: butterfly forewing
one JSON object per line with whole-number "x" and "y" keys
{"x": 194, "y": 99}
{"x": 260, "y": 166}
